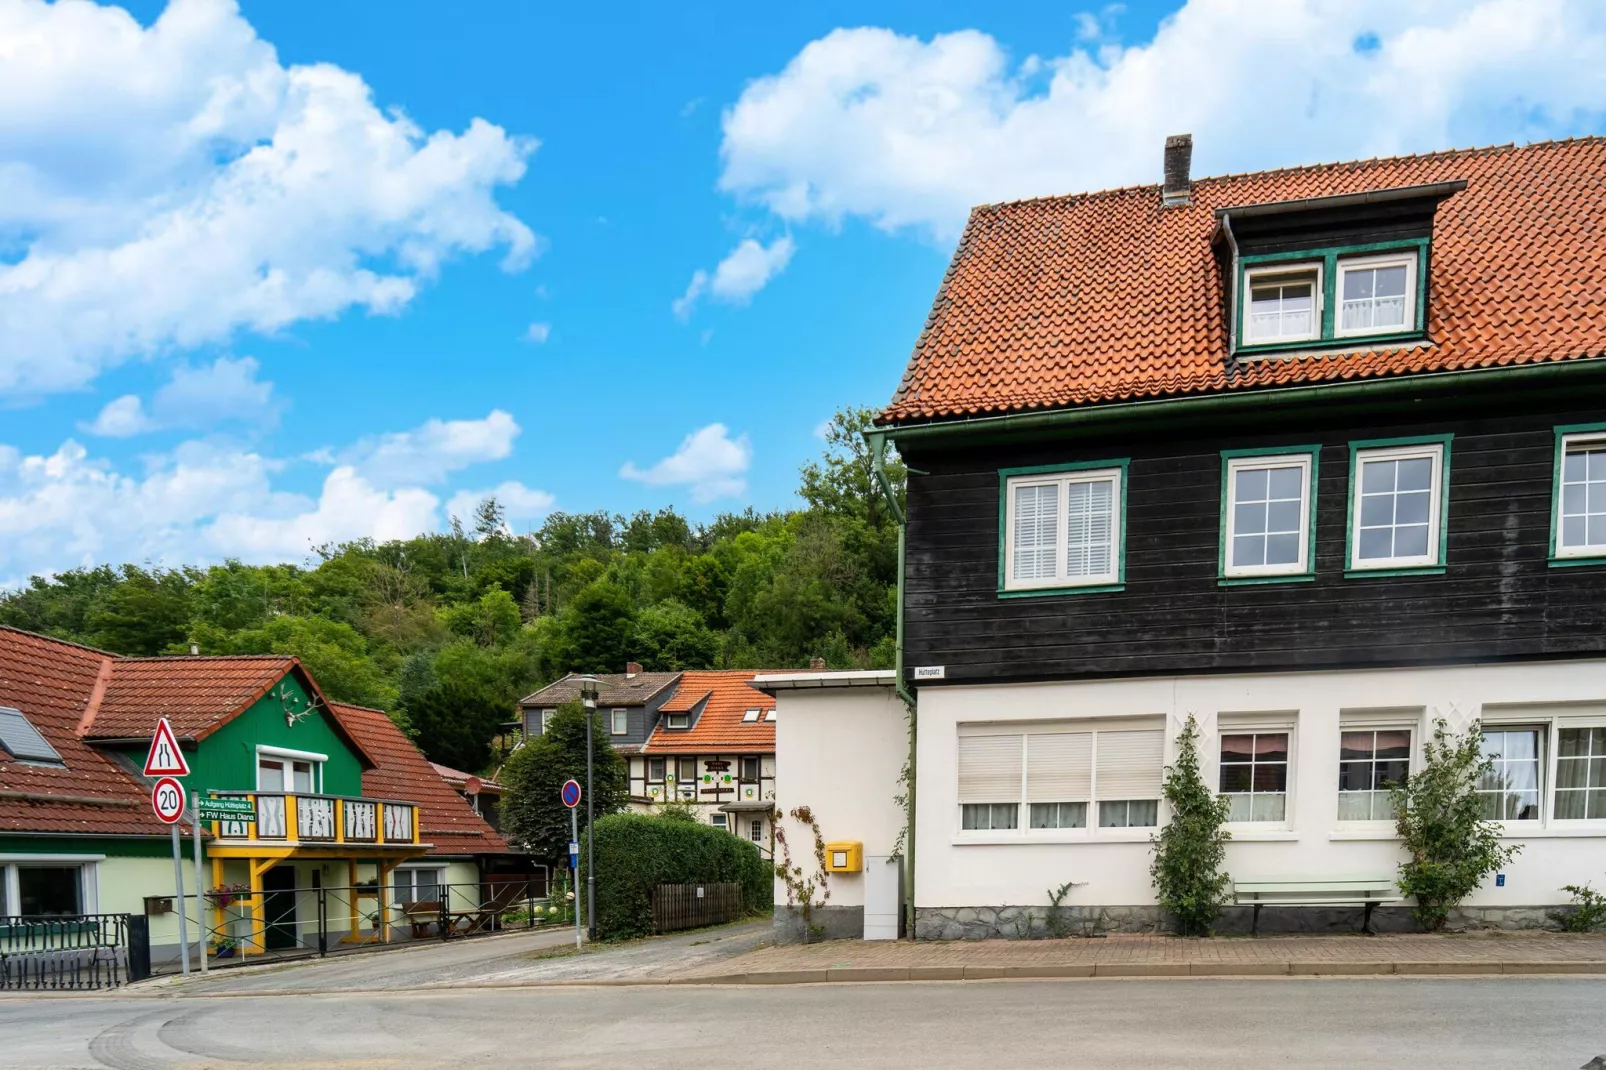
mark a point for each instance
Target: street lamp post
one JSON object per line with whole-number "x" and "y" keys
{"x": 588, "y": 699}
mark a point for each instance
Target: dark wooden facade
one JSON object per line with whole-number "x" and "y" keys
{"x": 1499, "y": 598}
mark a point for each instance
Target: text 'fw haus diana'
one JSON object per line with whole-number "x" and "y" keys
{"x": 1316, "y": 456}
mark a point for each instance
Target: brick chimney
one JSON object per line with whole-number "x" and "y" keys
{"x": 1178, "y": 190}
{"x": 632, "y": 668}
{"x": 816, "y": 665}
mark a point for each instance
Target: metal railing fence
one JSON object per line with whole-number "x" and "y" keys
{"x": 73, "y": 951}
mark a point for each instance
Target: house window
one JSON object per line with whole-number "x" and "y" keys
{"x": 750, "y": 717}
{"x": 1397, "y": 503}
{"x": 750, "y": 766}
{"x": 1062, "y": 778}
{"x": 755, "y": 830}
{"x": 1268, "y": 515}
{"x": 677, "y": 720}
{"x": 770, "y": 716}
{"x": 546, "y": 720}
{"x": 1284, "y": 305}
{"x": 50, "y": 891}
{"x": 1511, "y": 788}
{"x": 655, "y": 770}
{"x": 719, "y": 821}
{"x": 621, "y": 722}
{"x": 1254, "y": 775}
{"x": 1369, "y": 763}
{"x": 1063, "y": 529}
{"x": 419, "y": 885}
{"x": 1581, "y": 496}
{"x": 1376, "y": 295}
{"x": 22, "y": 741}
{"x": 686, "y": 770}
{"x": 1581, "y": 774}
{"x": 288, "y": 772}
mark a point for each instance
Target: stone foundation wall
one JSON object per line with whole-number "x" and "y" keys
{"x": 1035, "y": 923}
{"x": 837, "y": 923}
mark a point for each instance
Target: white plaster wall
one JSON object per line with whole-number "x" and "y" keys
{"x": 963, "y": 869}
{"x": 839, "y": 751}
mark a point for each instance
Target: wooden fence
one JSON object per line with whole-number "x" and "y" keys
{"x": 689, "y": 906}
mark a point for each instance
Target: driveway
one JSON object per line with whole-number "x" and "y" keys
{"x": 508, "y": 958}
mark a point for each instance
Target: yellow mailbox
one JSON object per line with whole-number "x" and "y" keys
{"x": 846, "y": 856}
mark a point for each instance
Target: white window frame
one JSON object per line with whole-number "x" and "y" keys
{"x": 1236, "y": 465}
{"x": 1091, "y": 831}
{"x": 1115, "y": 474}
{"x": 719, "y": 821}
{"x": 1434, "y": 451}
{"x": 88, "y": 878}
{"x": 1291, "y": 267}
{"x": 1408, "y": 261}
{"x": 1269, "y": 727}
{"x": 1547, "y": 739}
{"x": 677, "y": 721}
{"x": 1558, "y": 496}
{"x": 1412, "y": 760}
{"x": 620, "y": 716}
{"x": 285, "y": 756}
{"x": 1557, "y": 726}
{"x": 412, "y": 881}
{"x": 751, "y": 716}
{"x": 546, "y": 720}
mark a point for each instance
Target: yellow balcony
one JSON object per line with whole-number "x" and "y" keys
{"x": 290, "y": 819}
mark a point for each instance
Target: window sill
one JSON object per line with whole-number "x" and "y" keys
{"x": 1512, "y": 831}
{"x": 1042, "y": 592}
{"x": 1337, "y": 346}
{"x": 1135, "y": 835}
{"x": 1244, "y": 834}
{"x": 1255, "y": 581}
{"x": 1411, "y": 570}
{"x": 1363, "y": 835}
{"x": 1577, "y": 562}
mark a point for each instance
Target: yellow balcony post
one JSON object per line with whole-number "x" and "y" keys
{"x": 351, "y": 898}
{"x": 292, "y": 819}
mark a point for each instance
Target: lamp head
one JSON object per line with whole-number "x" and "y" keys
{"x": 588, "y": 691}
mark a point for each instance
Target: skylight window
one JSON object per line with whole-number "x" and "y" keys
{"x": 22, "y": 740}
{"x": 750, "y": 716}
{"x": 770, "y": 716}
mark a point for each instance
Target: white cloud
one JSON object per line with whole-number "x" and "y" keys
{"x": 349, "y": 507}
{"x": 910, "y": 133}
{"x": 518, "y": 502}
{"x": 538, "y": 333}
{"x": 170, "y": 185}
{"x": 430, "y": 452}
{"x": 709, "y": 461}
{"x": 744, "y": 272}
{"x": 227, "y": 389}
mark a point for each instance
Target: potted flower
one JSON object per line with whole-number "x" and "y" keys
{"x": 224, "y": 894}
{"x": 223, "y": 947}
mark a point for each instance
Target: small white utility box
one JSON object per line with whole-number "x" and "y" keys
{"x": 883, "y": 897}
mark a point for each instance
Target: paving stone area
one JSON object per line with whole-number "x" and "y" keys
{"x": 1115, "y": 955}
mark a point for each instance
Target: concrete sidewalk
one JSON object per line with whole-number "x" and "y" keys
{"x": 1160, "y": 956}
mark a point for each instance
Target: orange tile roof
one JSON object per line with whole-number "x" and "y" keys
{"x": 457, "y": 778}
{"x": 197, "y": 694}
{"x": 52, "y": 682}
{"x": 1103, "y": 297}
{"x": 402, "y": 772}
{"x": 719, "y": 726}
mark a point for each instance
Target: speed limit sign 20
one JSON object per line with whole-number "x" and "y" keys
{"x": 167, "y": 799}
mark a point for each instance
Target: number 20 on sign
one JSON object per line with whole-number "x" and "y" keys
{"x": 167, "y": 799}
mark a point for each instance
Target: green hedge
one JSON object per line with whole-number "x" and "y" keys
{"x": 636, "y": 852}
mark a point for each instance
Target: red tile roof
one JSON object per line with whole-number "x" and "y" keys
{"x": 457, "y": 778}
{"x": 1102, "y": 297}
{"x": 720, "y": 725}
{"x": 52, "y": 682}
{"x": 197, "y": 694}
{"x": 402, "y": 772}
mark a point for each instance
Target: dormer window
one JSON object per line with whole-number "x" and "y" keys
{"x": 1283, "y": 305}
{"x": 1329, "y": 297}
{"x": 677, "y": 720}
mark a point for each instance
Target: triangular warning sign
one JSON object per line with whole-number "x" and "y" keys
{"x": 165, "y": 759}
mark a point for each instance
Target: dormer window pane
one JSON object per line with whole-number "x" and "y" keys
{"x": 1374, "y": 299}
{"x": 1282, "y": 307}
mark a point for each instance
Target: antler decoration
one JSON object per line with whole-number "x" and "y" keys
{"x": 295, "y": 708}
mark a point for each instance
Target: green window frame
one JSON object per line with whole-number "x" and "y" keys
{"x": 1079, "y": 471}
{"x": 1560, "y": 556}
{"x": 1438, "y": 518}
{"x": 1329, "y": 264}
{"x": 1233, "y": 461}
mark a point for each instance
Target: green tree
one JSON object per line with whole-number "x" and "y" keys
{"x": 598, "y": 630}
{"x": 144, "y": 614}
{"x": 843, "y": 480}
{"x": 533, "y": 815}
{"x": 455, "y": 722}
{"x": 1439, "y": 814}
{"x": 335, "y": 654}
{"x": 671, "y": 636}
{"x": 1190, "y": 851}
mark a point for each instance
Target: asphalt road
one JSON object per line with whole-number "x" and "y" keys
{"x": 1417, "y": 1023}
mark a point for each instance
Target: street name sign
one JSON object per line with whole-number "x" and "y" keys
{"x": 228, "y": 809}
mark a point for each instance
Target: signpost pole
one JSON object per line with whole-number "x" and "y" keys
{"x": 178, "y": 881}
{"x": 200, "y": 904}
{"x": 574, "y": 870}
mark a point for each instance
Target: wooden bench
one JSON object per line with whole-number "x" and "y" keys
{"x": 1365, "y": 892}
{"x": 422, "y": 915}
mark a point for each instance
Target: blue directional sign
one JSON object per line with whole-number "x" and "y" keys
{"x": 571, "y": 793}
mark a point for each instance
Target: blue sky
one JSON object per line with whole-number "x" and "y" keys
{"x": 290, "y": 272}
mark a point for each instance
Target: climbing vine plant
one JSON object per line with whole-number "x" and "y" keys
{"x": 800, "y": 889}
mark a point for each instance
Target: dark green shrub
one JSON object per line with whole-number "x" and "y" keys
{"x": 1588, "y": 911}
{"x": 635, "y": 853}
{"x": 1191, "y": 849}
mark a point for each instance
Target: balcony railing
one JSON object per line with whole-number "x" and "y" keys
{"x": 290, "y": 817}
